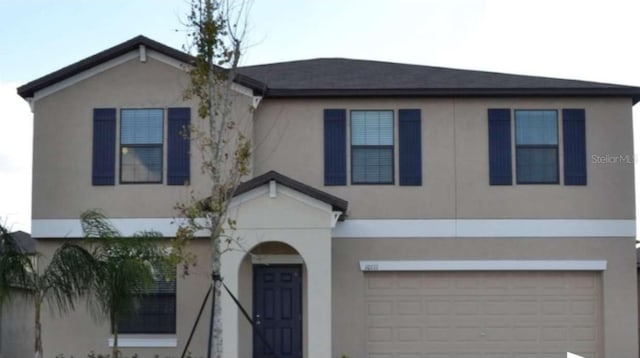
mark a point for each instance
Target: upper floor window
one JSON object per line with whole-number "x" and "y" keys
{"x": 141, "y": 134}
{"x": 372, "y": 147}
{"x": 536, "y": 146}
{"x": 141, "y": 146}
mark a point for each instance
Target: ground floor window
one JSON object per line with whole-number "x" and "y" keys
{"x": 156, "y": 310}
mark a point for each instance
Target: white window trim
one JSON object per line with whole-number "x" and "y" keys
{"x": 147, "y": 342}
{"x": 485, "y": 265}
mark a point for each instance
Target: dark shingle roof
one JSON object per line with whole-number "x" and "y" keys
{"x": 340, "y": 77}
{"x": 335, "y": 202}
{"x": 349, "y": 77}
{"x": 23, "y": 242}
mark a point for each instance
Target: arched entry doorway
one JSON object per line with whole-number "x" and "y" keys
{"x": 281, "y": 222}
{"x": 273, "y": 275}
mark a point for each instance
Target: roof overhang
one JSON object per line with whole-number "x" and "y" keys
{"x": 139, "y": 46}
{"x": 336, "y": 203}
{"x": 631, "y": 92}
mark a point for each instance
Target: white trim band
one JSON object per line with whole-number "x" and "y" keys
{"x": 71, "y": 228}
{"x": 380, "y": 228}
{"x": 165, "y": 342}
{"x": 485, "y": 265}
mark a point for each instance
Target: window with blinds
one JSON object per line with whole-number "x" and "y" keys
{"x": 536, "y": 146}
{"x": 156, "y": 311}
{"x": 372, "y": 147}
{"x": 141, "y": 134}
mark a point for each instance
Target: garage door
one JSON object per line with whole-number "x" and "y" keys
{"x": 483, "y": 314}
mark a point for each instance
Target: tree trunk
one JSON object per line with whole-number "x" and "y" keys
{"x": 217, "y": 323}
{"x": 38, "y": 329}
{"x": 114, "y": 350}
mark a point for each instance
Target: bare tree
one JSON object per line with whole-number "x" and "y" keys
{"x": 216, "y": 31}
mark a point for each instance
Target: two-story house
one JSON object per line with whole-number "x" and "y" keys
{"x": 395, "y": 210}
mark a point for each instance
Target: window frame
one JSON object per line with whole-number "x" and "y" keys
{"x": 360, "y": 146}
{"x": 161, "y": 146}
{"x": 536, "y": 146}
{"x": 146, "y": 295}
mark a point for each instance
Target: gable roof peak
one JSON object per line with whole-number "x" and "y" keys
{"x": 28, "y": 90}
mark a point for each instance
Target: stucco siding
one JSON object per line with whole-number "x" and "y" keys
{"x": 618, "y": 282}
{"x": 63, "y": 133}
{"x": 17, "y": 326}
{"x": 79, "y": 332}
{"x": 455, "y": 167}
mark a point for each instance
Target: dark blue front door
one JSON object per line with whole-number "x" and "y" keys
{"x": 277, "y": 310}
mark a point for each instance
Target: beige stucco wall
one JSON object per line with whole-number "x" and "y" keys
{"x": 78, "y": 333}
{"x": 63, "y": 134}
{"x": 263, "y": 221}
{"x": 16, "y": 326}
{"x": 288, "y": 136}
{"x": 619, "y": 281}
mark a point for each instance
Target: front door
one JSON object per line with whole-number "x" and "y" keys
{"x": 277, "y": 311}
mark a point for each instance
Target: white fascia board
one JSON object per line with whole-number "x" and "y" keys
{"x": 485, "y": 265}
{"x": 160, "y": 342}
{"x": 168, "y": 60}
{"x": 425, "y": 228}
{"x": 84, "y": 75}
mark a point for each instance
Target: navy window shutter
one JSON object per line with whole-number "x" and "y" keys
{"x": 178, "y": 163}
{"x": 335, "y": 147}
{"x": 575, "y": 150}
{"x": 500, "y": 146}
{"x": 410, "y": 146}
{"x": 104, "y": 146}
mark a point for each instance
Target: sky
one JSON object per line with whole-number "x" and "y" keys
{"x": 585, "y": 40}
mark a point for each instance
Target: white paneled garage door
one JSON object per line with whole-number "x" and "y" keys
{"x": 483, "y": 314}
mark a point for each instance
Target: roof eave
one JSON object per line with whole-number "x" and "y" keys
{"x": 631, "y": 92}
{"x": 336, "y": 203}
{"x": 28, "y": 90}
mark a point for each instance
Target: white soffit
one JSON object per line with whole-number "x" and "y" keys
{"x": 424, "y": 228}
{"x": 485, "y": 265}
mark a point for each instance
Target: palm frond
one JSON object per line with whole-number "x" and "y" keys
{"x": 96, "y": 225}
{"x": 124, "y": 266}
{"x": 16, "y": 272}
{"x": 68, "y": 276}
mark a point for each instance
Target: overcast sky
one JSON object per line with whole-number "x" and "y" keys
{"x": 588, "y": 40}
